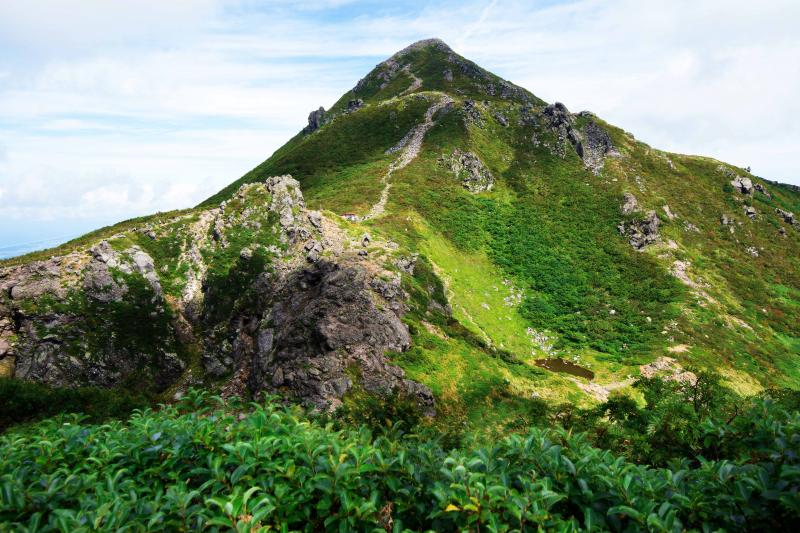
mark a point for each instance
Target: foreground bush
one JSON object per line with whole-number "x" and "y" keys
{"x": 203, "y": 465}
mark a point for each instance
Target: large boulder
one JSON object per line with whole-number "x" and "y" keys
{"x": 629, "y": 204}
{"x": 641, "y": 232}
{"x": 474, "y": 175}
{"x": 787, "y": 216}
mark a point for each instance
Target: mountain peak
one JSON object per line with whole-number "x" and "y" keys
{"x": 431, "y": 65}
{"x": 431, "y": 43}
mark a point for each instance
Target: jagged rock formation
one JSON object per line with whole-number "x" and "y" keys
{"x": 641, "y": 231}
{"x": 471, "y": 171}
{"x": 596, "y": 145}
{"x": 315, "y": 120}
{"x": 741, "y": 184}
{"x": 590, "y": 141}
{"x": 271, "y": 322}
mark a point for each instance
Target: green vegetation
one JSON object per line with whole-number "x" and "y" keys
{"x": 92, "y": 237}
{"x": 204, "y": 465}
{"x": 131, "y": 325}
{"x": 353, "y": 144}
{"x": 25, "y": 402}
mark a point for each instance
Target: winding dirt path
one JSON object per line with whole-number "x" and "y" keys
{"x": 408, "y": 147}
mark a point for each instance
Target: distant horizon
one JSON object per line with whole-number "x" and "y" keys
{"x": 132, "y": 110}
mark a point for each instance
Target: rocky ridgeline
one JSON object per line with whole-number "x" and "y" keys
{"x": 295, "y": 308}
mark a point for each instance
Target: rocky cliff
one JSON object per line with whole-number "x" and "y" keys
{"x": 257, "y": 294}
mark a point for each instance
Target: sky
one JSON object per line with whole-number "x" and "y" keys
{"x": 111, "y": 109}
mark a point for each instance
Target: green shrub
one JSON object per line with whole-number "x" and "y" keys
{"x": 202, "y": 465}
{"x": 24, "y": 401}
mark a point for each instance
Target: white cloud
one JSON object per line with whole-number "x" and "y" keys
{"x": 56, "y": 27}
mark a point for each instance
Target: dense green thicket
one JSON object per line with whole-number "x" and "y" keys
{"x": 204, "y": 465}
{"x": 678, "y": 420}
{"x": 24, "y": 401}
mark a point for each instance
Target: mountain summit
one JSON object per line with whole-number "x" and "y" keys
{"x": 438, "y": 234}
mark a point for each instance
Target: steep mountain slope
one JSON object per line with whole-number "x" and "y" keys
{"x": 473, "y": 247}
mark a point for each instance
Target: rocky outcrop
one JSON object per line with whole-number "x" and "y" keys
{"x": 354, "y": 105}
{"x": 741, "y": 184}
{"x": 641, "y": 232}
{"x": 500, "y": 118}
{"x": 787, "y": 216}
{"x": 80, "y": 322}
{"x": 468, "y": 168}
{"x": 315, "y": 120}
{"x": 629, "y": 204}
{"x": 314, "y": 330}
{"x": 7, "y": 341}
{"x": 594, "y": 148}
{"x": 750, "y": 212}
{"x": 323, "y": 330}
{"x": 292, "y": 310}
{"x": 472, "y": 113}
{"x": 591, "y": 142}
{"x": 668, "y": 369}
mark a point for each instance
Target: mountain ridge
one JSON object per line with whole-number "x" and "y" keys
{"x": 487, "y": 234}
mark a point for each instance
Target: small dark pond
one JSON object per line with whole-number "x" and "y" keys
{"x": 556, "y": 364}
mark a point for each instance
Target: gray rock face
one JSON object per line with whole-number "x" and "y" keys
{"x": 629, "y": 204}
{"x": 472, "y": 113}
{"x": 740, "y": 183}
{"x": 325, "y": 320}
{"x": 743, "y": 185}
{"x": 750, "y": 211}
{"x": 407, "y": 264}
{"x": 763, "y": 190}
{"x": 355, "y": 105}
{"x": 595, "y": 146}
{"x": 287, "y": 201}
{"x": 474, "y": 176}
{"x": 315, "y": 217}
{"x": 315, "y": 120}
{"x": 67, "y": 344}
{"x": 7, "y": 341}
{"x": 642, "y": 232}
{"x": 786, "y": 216}
{"x": 501, "y": 119}
{"x": 592, "y": 143}
{"x": 558, "y": 117}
